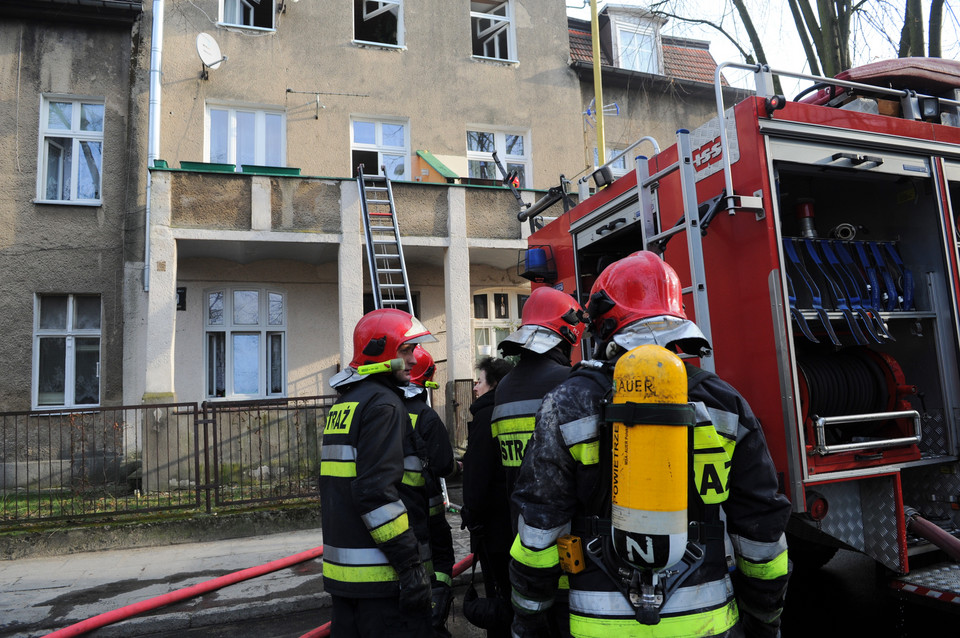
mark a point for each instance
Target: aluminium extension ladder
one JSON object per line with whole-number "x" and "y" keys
{"x": 388, "y": 271}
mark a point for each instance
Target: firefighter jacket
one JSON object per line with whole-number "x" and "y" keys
{"x": 565, "y": 483}
{"x": 486, "y": 502}
{"x": 368, "y": 521}
{"x": 518, "y": 397}
{"x": 433, "y": 442}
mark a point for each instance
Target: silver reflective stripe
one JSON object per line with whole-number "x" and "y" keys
{"x": 435, "y": 501}
{"x": 354, "y": 556}
{"x": 383, "y": 514}
{"x": 724, "y": 422}
{"x": 580, "y": 430}
{"x": 412, "y": 464}
{"x": 536, "y": 539}
{"x": 758, "y": 551}
{"x": 612, "y": 603}
{"x": 338, "y": 453}
{"x": 529, "y": 605}
{"x": 701, "y": 413}
{"x": 515, "y": 409}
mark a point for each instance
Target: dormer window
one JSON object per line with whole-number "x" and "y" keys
{"x": 636, "y": 42}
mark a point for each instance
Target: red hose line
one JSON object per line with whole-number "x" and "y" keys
{"x": 324, "y": 630}
{"x": 128, "y": 611}
{"x": 932, "y": 532}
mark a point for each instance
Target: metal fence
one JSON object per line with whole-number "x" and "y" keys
{"x": 116, "y": 461}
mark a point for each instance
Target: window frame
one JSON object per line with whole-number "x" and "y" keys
{"x": 400, "y": 43}
{"x": 378, "y": 146}
{"x": 240, "y": 25}
{"x": 260, "y": 133}
{"x": 491, "y": 324}
{"x": 617, "y": 171}
{"x": 500, "y": 145}
{"x": 229, "y": 329}
{"x": 509, "y": 23}
{"x": 77, "y": 137}
{"x": 643, "y": 28}
{"x": 70, "y": 334}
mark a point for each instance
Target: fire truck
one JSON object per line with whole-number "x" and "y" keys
{"x": 817, "y": 241}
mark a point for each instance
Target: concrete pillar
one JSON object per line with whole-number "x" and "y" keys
{"x": 260, "y": 202}
{"x": 350, "y": 264}
{"x": 161, "y": 301}
{"x": 458, "y": 300}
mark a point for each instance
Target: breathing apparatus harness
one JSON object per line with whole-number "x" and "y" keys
{"x": 647, "y": 555}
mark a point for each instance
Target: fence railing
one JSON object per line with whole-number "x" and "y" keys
{"x": 127, "y": 460}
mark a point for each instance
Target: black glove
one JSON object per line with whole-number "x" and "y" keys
{"x": 442, "y": 596}
{"x": 414, "y": 590}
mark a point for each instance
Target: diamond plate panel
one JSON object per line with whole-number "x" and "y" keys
{"x": 862, "y": 514}
{"x": 942, "y": 578}
{"x": 934, "y": 428}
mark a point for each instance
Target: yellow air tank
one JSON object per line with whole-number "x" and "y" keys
{"x": 650, "y": 457}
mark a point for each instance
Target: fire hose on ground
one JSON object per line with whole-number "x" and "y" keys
{"x": 134, "y": 609}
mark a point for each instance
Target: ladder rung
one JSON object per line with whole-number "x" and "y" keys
{"x": 378, "y": 201}
{"x": 386, "y": 271}
{"x": 670, "y": 232}
{"x": 395, "y": 302}
{"x": 381, "y": 242}
{"x": 376, "y": 214}
{"x": 377, "y": 189}
{"x": 391, "y": 285}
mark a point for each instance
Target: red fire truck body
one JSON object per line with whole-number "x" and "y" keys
{"x": 818, "y": 245}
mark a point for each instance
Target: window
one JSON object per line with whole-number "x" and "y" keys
{"x": 71, "y": 150}
{"x": 511, "y": 148}
{"x": 491, "y": 27}
{"x": 247, "y": 13}
{"x": 245, "y": 342}
{"x": 245, "y": 136}
{"x": 379, "y": 21}
{"x": 637, "y": 46}
{"x": 377, "y": 144}
{"x": 66, "y": 350}
{"x": 505, "y": 305}
{"x": 618, "y": 167}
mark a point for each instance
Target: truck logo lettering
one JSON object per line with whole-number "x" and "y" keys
{"x": 707, "y": 154}
{"x": 645, "y": 556}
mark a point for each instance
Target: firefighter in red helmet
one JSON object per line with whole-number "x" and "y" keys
{"x": 734, "y": 574}
{"x": 373, "y": 563}
{"x": 551, "y": 325}
{"x": 433, "y": 442}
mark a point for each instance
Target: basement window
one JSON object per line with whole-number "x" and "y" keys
{"x": 248, "y": 13}
{"x": 378, "y": 21}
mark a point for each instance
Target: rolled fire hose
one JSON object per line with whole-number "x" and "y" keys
{"x": 923, "y": 528}
{"x": 324, "y": 630}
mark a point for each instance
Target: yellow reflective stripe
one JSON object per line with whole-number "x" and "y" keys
{"x": 339, "y": 418}
{"x": 711, "y": 463}
{"x": 436, "y": 510}
{"x": 361, "y": 574}
{"x": 413, "y": 419}
{"x": 538, "y": 559}
{"x": 414, "y": 479}
{"x": 563, "y": 583}
{"x": 391, "y": 529}
{"x": 343, "y": 469}
{"x": 513, "y": 426}
{"x": 768, "y": 570}
{"x": 443, "y": 578}
{"x": 706, "y": 623}
{"x": 586, "y": 453}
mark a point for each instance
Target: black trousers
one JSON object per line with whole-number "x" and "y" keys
{"x": 376, "y": 618}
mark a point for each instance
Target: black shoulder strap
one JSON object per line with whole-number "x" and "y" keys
{"x": 696, "y": 376}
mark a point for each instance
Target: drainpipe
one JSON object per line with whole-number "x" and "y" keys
{"x": 153, "y": 130}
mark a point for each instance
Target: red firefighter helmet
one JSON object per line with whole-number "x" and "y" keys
{"x": 636, "y": 287}
{"x": 555, "y": 310}
{"x": 422, "y": 372}
{"x": 380, "y": 333}
{"x": 549, "y": 318}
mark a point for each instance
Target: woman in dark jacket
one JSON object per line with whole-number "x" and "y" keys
{"x": 486, "y": 511}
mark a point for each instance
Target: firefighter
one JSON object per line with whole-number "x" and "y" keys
{"x": 433, "y": 441}
{"x": 373, "y": 563}
{"x": 736, "y": 516}
{"x": 550, "y": 327}
{"x": 486, "y": 511}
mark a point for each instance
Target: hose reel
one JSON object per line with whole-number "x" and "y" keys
{"x": 850, "y": 382}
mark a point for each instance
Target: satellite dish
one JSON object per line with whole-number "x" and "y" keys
{"x": 209, "y": 51}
